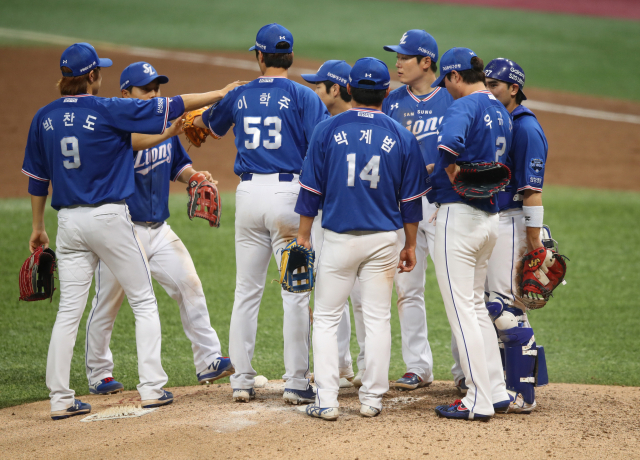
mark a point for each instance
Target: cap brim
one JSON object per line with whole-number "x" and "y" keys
{"x": 161, "y": 79}
{"x": 312, "y": 77}
{"x": 398, "y": 49}
{"x": 252, "y": 48}
{"x": 524, "y": 98}
{"x": 104, "y": 62}
{"x": 439, "y": 81}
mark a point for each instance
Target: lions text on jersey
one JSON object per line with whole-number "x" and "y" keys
{"x": 274, "y": 118}
{"x": 476, "y": 128}
{"x": 363, "y": 164}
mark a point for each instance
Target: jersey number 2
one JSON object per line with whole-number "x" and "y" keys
{"x": 254, "y": 131}
{"x": 69, "y": 146}
{"x": 368, "y": 173}
{"x": 501, "y": 143}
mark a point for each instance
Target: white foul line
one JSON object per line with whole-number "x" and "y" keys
{"x": 252, "y": 65}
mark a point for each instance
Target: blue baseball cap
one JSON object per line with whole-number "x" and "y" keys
{"x": 457, "y": 59}
{"x": 335, "y": 71}
{"x": 140, "y": 74}
{"x": 370, "y": 69}
{"x": 506, "y": 70}
{"x": 81, "y": 58}
{"x": 269, "y": 36}
{"x": 416, "y": 42}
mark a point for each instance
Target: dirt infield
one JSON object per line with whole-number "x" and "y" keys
{"x": 583, "y": 152}
{"x": 572, "y": 421}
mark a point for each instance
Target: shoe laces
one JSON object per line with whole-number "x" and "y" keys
{"x": 408, "y": 375}
{"x": 108, "y": 379}
{"x": 456, "y": 402}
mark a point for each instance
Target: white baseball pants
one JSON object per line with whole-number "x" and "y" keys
{"x": 372, "y": 258}
{"x": 265, "y": 224}
{"x": 509, "y": 249}
{"x": 465, "y": 237}
{"x": 86, "y": 235}
{"x": 170, "y": 265}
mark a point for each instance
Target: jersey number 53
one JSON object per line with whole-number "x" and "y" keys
{"x": 252, "y": 130}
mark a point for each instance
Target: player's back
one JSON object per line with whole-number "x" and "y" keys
{"x": 82, "y": 144}
{"x": 476, "y": 128}
{"x": 526, "y": 158}
{"x": 368, "y": 163}
{"x": 274, "y": 118}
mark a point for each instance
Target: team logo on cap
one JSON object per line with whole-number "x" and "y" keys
{"x": 451, "y": 67}
{"x": 403, "y": 39}
{"x": 431, "y": 54}
{"x": 148, "y": 69}
{"x": 282, "y": 37}
{"x": 88, "y": 67}
{"x": 367, "y": 75}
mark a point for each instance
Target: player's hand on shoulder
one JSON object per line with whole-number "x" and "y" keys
{"x": 407, "y": 260}
{"x": 38, "y": 238}
{"x": 234, "y": 85}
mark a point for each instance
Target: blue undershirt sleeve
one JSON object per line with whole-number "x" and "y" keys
{"x": 411, "y": 211}
{"x": 308, "y": 203}
{"x": 38, "y": 187}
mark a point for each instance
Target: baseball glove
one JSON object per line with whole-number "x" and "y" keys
{"x": 297, "y": 257}
{"x": 204, "y": 200}
{"x": 195, "y": 135}
{"x": 481, "y": 180}
{"x": 542, "y": 271}
{"x": 37, "y": 275}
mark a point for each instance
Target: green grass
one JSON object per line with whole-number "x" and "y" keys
{"x": 557, "y": 51}
{"x": 589, "y": 329}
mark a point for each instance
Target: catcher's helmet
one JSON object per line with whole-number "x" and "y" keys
{"x": 506, "y": 70}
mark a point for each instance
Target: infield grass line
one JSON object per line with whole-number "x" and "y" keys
{"x": 221, "y": 61}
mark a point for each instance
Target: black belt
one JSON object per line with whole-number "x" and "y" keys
{"x": 284, "y": 177}
{"x": 152, "y": 225}
{"x": 94, "y": 205}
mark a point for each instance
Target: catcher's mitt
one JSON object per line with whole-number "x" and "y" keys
{"x": 204, "y": 200}
{"x": 542, "y": 271}
{"x": 297, "y": 257}
{"x": 481, "y": 180}
{"x": 195, "y": 135}
{"x": 37, "y": 275}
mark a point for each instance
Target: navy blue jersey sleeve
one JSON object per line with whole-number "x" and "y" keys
{"x": 181, "y": 160}
{"x": 530, "y": 142}
{"x": 414, "y": 171}
{"x": 38, "y": 187}
{"x": 137, "y": 116}
{"x": 308, "y": 203}
{"x": 176, "y": 107}
{"x": 411, "y": 211}
{"x": 219, "y": 118}
{"x": 35, "y": 165}
{"x": 313, "y": 111}
{"x": 454, "y": 129}
{"x": 311, "y": 176}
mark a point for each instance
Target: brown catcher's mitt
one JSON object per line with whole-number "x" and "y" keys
{"x": 37, "y": 275}
{"x": 204, "y": 200}
{"x": 195, "y": 135}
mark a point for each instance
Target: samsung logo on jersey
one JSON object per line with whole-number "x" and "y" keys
{"x": 160, "y": 104}
{"x": 334, "y": 76}
{"x": 265, "y": 80}
{"x": 70, "y": 99}
{"x": 365, "y": 114}
{"x": 450, "y": 67}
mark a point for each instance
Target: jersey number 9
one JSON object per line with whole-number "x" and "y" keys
{"x": 254, "y": 131}
{"x": 69, "y": 146}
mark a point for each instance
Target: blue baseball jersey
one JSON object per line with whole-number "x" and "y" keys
{"x": 420, "y": 115}
{"x": 274, "y": 118}
{"x": 363, "y": 164}
{"x": 82, "y": 144}
{"x": 526, "y": 159}
{"x": 475, "y": 128}
{"x": 154, "y": 168}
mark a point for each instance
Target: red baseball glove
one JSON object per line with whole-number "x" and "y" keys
{"x": 204, "y": 200}
{"x": 37, "y": 275}
{"x": 542, "y": 271}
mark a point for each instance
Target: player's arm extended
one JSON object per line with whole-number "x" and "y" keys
{"x": 38, "y": 235}
{"x": 146, "y": 141}
{"x": 196, "y": 101}
{"x": 533, "y": 198}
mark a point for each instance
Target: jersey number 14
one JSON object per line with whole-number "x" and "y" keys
{"x": 368, "y": 173}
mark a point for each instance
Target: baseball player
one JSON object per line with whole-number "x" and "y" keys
{"x": 82, "y": 144}
{"x": 274, "y": 118}
{"x": 370, "y": 175}
{"x": 521, "y": 215}
{"x": 158, "y": 159}
{"x": 331, "y": 86}
{"x": 420, "y": 108}
{"x": 475, "y": 128}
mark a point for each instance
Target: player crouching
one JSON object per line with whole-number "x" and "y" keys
{"x": 362, "y": 164}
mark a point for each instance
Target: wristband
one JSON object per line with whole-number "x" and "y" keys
{"x": 533, "y": 216}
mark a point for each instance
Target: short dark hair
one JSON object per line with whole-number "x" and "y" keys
{"x": 433, "y": 66}
{"x": 519, "y": 95}
{"x": 473, "y": 75}
{"x": 71, "y": 86}
{"x": 368, "y": 96}
{"x": 344, "y": 94}
{"x": 279, "y": 60}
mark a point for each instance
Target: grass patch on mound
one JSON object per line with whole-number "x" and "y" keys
{"x": 589, "y": 329}
{"x": 554, "y": 49}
